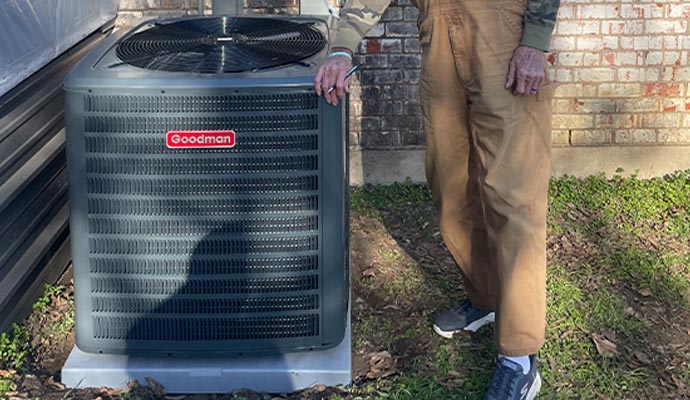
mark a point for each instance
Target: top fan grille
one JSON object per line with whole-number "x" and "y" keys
{"x": 221, "y": 44}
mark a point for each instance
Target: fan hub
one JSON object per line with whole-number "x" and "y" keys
{"x": 238, "y": 38}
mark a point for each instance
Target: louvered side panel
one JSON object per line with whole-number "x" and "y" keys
{"x": 203, "y": 245}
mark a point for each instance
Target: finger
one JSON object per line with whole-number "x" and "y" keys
{"x": 521, "y": 83}
{"x": 340, "y": 84}
{"x": 317, "y": 81}
{"x": 530, "y": 84}
{"x": 510, "y": 79}
{"x": 347, "y": 84}
{"x": 328, "y": 81}
{"x": 533, "y": 87}
{"x": 333, "y": 96}
{"x": 538, "y": 83}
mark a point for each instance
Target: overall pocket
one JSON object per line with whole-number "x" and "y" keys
{"x": 513, "y": 15}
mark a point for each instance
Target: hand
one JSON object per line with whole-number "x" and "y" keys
{"x": 526, "y": 72}
{"x": 333, "y": 72}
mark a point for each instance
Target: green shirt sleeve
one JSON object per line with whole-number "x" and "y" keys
{"x": 540, "y": 19}
{"x": 357, "y": 17}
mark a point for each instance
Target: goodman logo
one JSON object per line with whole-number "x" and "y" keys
{"x": 200, "y": 139}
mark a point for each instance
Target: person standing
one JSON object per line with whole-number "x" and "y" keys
{"x": 486, "y": 112}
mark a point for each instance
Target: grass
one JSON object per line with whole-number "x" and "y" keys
{"x": 372, "y": 200}
{"x": 642, "y": 204}
{"x": 13, "y": 348}
{"x": 576, "y": 314}
{"x": 49, "y": 290}
{"x": 13, "y": 352}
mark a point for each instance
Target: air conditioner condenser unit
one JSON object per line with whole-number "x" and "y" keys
{"x": 208, "y": 190}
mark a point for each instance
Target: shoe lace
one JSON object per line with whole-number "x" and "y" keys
{"x": 503, "y": 383}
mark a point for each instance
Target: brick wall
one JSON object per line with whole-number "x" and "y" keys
{"x": 623, "y": 74}
{"x": 386, "y": 102}
{"x": 620, "y": 67}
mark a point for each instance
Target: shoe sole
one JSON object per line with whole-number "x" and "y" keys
{"x": 534, "y": 390}
{"x": 473, "y": 327}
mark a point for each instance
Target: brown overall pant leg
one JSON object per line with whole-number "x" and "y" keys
{"x": 487, "y": 162}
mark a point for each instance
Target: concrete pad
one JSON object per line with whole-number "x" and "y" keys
{"x": 282, "y": 373}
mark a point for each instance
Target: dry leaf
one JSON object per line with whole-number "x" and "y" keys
{"x": 679, "y": 346}
{"x": 369, "y": 272}
{"x": 156, "y": 388}
{"x": 676, "y": 361}
{"x": 8, "y": 374}
{"x": 50, "y": 382}
{"x": 131, "y": 386}
{"x": 645, "y": 292}
{"x": 604, "y": 346}
{"x": 642, "y": 358}
{"x": 610, "y": 334}
{"x": 593, "y": 285}
{"x": 381, "y": 365}
{"x": 678, "y": 382}
{"x": 31, "y": 383}
{"x": 456, "y": 374}
{"x": 320, "y": 388}
{"x": 111, "y": 392}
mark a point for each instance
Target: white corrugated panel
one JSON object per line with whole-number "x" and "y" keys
{"x": 34, "y": 32}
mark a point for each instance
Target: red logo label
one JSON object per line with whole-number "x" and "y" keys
{"x": 200, "y": 139}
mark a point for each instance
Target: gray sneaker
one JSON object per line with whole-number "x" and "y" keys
{"x": 510, "y": 383}
{"x": 464, "y": 317}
